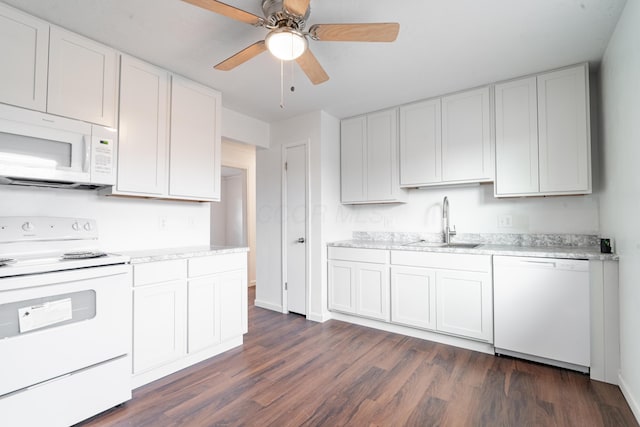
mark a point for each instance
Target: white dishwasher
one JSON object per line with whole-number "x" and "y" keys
{"x": 541, "y": 310}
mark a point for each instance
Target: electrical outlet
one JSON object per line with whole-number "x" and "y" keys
{"x": 162, "y": 222}
{"x": 505, "y": 221}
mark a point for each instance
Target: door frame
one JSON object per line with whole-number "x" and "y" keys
{"x": 307, "y": 225}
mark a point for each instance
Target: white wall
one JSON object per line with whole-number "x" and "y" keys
{"x": 123, "y": 223}
{"x": 620, "y": 196}
{"x": 245, "y": 129}
{"x": 473, "y": 209}
{"x": 228, "y": 218}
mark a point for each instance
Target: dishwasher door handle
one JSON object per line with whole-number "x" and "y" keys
{"x": 550, "y": 264}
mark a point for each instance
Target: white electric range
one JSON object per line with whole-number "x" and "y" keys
{"x": 65, "y": 322}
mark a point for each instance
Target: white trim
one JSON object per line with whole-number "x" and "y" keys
{"x": 268, "y": 306}
{"x": 455, "y": 341}
{"x": 633, "y": 404}
{"x": 308, "y": 241}
{"x": 319, "y": 317}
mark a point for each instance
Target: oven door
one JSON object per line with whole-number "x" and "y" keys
{"x": 53, "y": 324}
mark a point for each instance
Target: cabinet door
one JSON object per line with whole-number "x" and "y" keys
{"x": 159, "y": 324}
{"x": 24, "y": 49}
{"x": 143, "y": 128}
{"x": 203, "y": 313}
{"x": 232, "y": 303}
{"x": 353, "y": 135}
{"x": 464, "y": 304}
{"x": 413, "y": 297}
{"x": 342, "y": 286}
{"x": 563, "y": 117}
{"x": 420, "y": 143}
{"x": 466, "y": 137}
{"x": 382, "y": 147}
{"x": 82, "y": 78}
{"x": 194, "y": 160}
{"x": 372, "y": 291}
{"x": 516, "y": 137}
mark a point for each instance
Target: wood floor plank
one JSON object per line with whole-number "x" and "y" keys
{"x": 294, "y": 372}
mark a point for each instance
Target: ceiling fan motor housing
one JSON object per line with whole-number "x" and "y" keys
{"x": 276, "y": 16}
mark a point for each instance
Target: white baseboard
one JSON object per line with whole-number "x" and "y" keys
{"x": 319, "y": 317}
{"x": 633, "y": 403}
{"x": 268, "y": 305}
{"x": 481, "y": 347}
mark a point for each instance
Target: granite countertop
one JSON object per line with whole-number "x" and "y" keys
{"x": 568, "y": 246}
{"x": 568, "y": 252}
{"x": 152, "y": 255}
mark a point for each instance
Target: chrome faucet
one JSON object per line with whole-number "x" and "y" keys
{"x": 448, "y": 231}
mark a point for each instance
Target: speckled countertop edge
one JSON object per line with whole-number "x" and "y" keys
{"x": 567, "y": 252}
{"x": 152, "y": 255}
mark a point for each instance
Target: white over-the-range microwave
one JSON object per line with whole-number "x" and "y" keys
{"x": 40, "y": 149}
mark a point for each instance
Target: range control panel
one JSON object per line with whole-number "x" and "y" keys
{"x": 37, "y": 228}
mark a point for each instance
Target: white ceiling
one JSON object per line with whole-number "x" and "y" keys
{"x": 443, "y": 46}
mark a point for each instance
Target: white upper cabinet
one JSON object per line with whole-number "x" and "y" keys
{"x": 543, "y": 142}
{"x": 446, "y": 140}
{"x": 142, "y": 148}
{"x": 169, "y": 136}
{"x": 82, "y": 78}
{"x": 516, "y": 137}
{"x": 194, "y": 165}
{"x": 369, "y": 171}
{"x": 24, "y": 48}
{"x": 420, "y": 143}
{"x": 466, "y": 137}
{"x": 49, "y": 69}
{"x": 564, "y": 135}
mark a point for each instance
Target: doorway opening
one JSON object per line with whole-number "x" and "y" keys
{"x": 229, "y": 216}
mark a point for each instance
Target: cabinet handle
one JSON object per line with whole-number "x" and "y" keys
{"x": 300, "y": 240}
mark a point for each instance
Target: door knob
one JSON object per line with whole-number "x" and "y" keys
{"x": 300, "y": 240}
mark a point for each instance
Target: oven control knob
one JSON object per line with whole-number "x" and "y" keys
{"x": 28, "y": 226}
{"x": 87, "y": 226}
{"x": 75, "y": 226}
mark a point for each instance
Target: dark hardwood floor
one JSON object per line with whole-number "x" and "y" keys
{"x": 293, "y": 372}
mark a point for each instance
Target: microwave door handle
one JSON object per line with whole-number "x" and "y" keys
{"x": 87, "y": 153}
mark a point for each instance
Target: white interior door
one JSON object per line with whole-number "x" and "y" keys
{"x": 295, "y": 228}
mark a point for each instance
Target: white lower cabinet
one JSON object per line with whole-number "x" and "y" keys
{"x": 204, "y": 313}
{"x": 441, "y": 292}
{"x": 159, "y": 320}
{"x": 464, "y": 304}
{"x": 185, "y": 311}
{"x": 413, "y": 297}
{"x": 356, "y": 287}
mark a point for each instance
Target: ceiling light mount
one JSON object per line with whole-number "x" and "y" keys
{"x": 286, "y": 43}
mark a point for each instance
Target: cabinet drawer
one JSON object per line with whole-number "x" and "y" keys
{"x": 377, "y": 256}
{"x": 159, "y": 271}
{"x": 464, "y": 262}
{"x": 212, "y": 264}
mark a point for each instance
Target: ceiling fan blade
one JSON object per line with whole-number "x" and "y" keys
{"x": 312, "y": 68}
{"x": 241, "y": 57}
{"x": 296, "y": 7}
{"x": 378, "y": 32}
{"x": 228, "y": 11}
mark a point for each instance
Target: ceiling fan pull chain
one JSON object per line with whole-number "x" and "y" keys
{"x": 281, "y": 84}
{"x": 293, "y": 86}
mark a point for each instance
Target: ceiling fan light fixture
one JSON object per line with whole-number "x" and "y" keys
{"x": 286, "y": 44}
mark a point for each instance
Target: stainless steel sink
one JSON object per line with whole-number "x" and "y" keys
{"x": 443, "y": 245}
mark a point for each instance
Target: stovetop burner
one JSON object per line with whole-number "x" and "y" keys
{"x": 83, "y": 255}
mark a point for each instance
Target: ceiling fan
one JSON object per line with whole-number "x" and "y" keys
{"x": 287, "y": 39}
